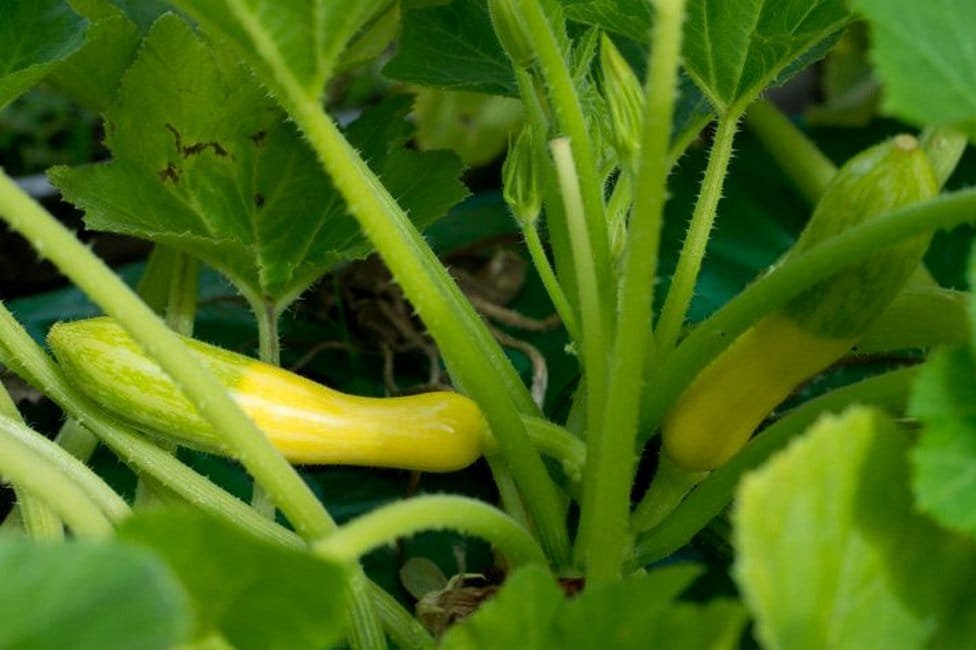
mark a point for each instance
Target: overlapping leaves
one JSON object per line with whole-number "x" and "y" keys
{"x": 204, "y": 161}
{"x": 831, "y": 552}
{"x": 35, "y": 37}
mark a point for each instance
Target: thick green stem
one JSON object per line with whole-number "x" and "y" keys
{"x": 596, "y": 338}
{"x": 178, "y": 274}
{"x": 269, "y": 345}
{"x": 804, "y": 163}
{"x": 86, "y": 481}
{"x": 669, "y": 486}
{"x": 474, "y": 358}
{"x": 777, "y": 287}
{"x": 609, "y": 471}
{"x": 682, "y": 287}
{"x": 435, "y": 512}
{"x": 24, "y": 467}
{"x": 252, "y": 447}
{"x": 559, "y": 444}
{"x": 269, "y": 351}
{"x": 568, "y": 110}
{"x": 405, "y": 630}
{"x": 889, "y": 391}
{"x": 40, "y": 521}
{"x": 181, "y": 308}
{"x": 919, "y": 317}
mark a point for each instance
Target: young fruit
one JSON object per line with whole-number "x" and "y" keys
{"x": 307, "y": 422}
{"x": 729, "y": 399}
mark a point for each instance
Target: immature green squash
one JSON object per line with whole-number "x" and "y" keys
{"x": 307, "y": 422}
{"x": 730, "y": 398}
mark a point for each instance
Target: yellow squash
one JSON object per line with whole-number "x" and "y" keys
{"x": 308, "y": 422}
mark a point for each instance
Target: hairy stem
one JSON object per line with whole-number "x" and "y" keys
{"x": 24, "y": 467}
{"x": 469, "y": 516}
{"x": 609, "y": 472}
{"x": 682, "y": 287}
{"x": 549, "y": 281}
{"x": 473, "y": 357}
{"x": 269, "y": 351}
{"x": 40, "y": 521}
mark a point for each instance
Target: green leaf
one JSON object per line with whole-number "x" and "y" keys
{"x": 92, "y": 75}
{"x": 735, "y": 50}
{"x": 923, "y": 53}
{"x": 453, "y": 47}
{"x": 257, "y": 595}
{"x": 944, "y": 459}
{"x": 204, "y": 162}
{"x": 831, "y": 553}
{"x": 87, "y": 596}
{"x": 628, "y": 18}
{"x": 531, "y": 612}
{"x": 641, "y": 612}
{"x": 35, "y": 36}
{"x": 308, "y": 36}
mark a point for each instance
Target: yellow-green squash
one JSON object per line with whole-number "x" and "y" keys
{"x": 307, "y": 422}
{"x": 723, "y": 406}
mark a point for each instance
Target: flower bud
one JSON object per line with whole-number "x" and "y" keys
{"x": 625, "y": 99}
{"x": 522, "y": 177}
{"x": 510, "y": 32}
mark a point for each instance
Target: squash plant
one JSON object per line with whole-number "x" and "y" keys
{"x": 224, "y": 150}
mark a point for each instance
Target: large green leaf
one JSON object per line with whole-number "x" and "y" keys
{"x": 639, "y": 612}
{"x": 35, "y": 36}
{"x": 629, "y": 18}
{"x": 831, "y": 553}
{"x": 307, "y": 36}
{"x": 257, "y": 595}
{"x": 453, "y": 47}
{"x": 92, "y": 74}
{"x": 734, "y": 50}
{"x": 944, "y": 459}
{"x": 87, "y": 596}
{"x": 924, "y": 54}
{"x": 203, "y": 161}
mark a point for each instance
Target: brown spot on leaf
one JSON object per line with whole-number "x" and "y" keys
{"x": 170, "y": 173}
{"x": 176, "y": 136}
{"x": 196, "y": 147}
{"x": 200, "y": 147}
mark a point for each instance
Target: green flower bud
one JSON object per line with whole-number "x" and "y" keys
{"x": 522, "y": 178}
{"x": 625, "y": 99}
{"x": 510, "y": 32}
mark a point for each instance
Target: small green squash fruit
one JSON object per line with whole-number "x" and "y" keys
{"x": 718, "y": 412}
